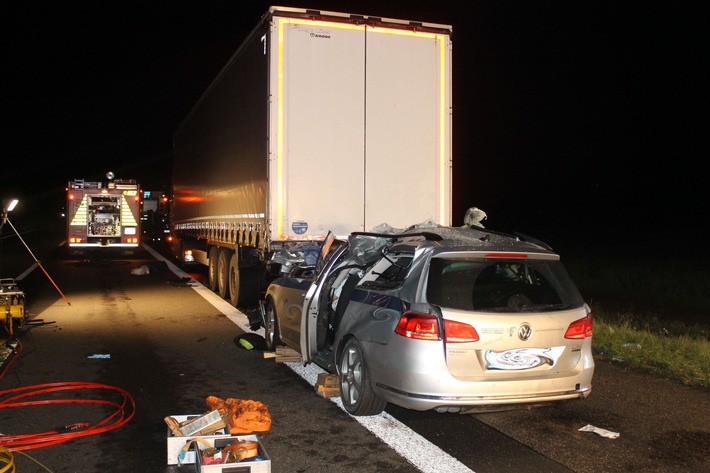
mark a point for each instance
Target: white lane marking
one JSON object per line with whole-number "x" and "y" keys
{"x": 414, "y": 448}
{"x": 236, "y": 316}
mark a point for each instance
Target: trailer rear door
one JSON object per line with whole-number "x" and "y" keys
{"x": 361, "y": 127}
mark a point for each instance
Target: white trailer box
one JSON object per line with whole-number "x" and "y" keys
{"x": 321, "y": 121}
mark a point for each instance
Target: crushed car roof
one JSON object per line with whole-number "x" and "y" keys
{"x": 463, "y": 238}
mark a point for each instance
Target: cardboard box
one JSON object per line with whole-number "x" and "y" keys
{"x": 259, "y": 464}
{"x": 176, "y": 443}
{"x": 328, "y": 385}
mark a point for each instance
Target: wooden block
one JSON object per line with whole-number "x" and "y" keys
{"x": 284, "y": 354}
{"x": 174, "y": 426}
{"x": 328, "y": 385}
{"x": 328, "y": 380}
{"x": 326, "y": 392}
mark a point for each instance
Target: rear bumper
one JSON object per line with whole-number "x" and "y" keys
{"x": 103, "y": 245}
{"x": 462, "y": 403}
{"x": 418, "y": 378}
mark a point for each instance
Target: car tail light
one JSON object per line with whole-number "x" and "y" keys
{"x": 426, "y": 327}
{"x": 459, "y": 332}
{"x": 418, "y": 326}
{"x": 580, "y": 329}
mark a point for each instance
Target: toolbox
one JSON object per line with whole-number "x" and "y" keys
{"x": 176, "y": 443}
{"x": 261, "y": 463}
{"x": 12, "y": 304}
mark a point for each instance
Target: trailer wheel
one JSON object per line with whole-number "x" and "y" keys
{"x": 212, "y": 274}
{"x": 234, "y": 281}
{"x": 223, "y": 273}
{"x": 244, "y": 284}
{"x": 251, "y": 280}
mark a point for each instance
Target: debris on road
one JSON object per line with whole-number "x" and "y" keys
{"x": 603, "y": 432}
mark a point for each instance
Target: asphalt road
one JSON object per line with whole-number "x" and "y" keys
{"x": 170, "y": 345}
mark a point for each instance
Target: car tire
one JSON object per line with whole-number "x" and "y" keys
{"x": 272, "y": 333}
{"x": 213, "y": 263}
{"x": 356, "y": 391}
{"x": 223, "y": 273}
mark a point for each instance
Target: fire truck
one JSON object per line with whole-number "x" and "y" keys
{"x": 103, "y": 214}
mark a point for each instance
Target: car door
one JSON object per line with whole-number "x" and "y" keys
{"x": 332, "y": 253}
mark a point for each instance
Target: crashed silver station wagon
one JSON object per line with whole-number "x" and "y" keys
{"x": 449, "y": 319}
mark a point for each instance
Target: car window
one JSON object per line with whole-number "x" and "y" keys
{"x": 491, "y": 285}
{"x": 389, "y": 272}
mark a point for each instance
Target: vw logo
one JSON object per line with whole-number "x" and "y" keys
{"x": 525, "y": 331}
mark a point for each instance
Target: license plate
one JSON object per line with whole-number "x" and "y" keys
{"x": 522, "y": 358}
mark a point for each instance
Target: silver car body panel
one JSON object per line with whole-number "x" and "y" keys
{"x": 311, "y": 305}
{"x": 521, "y": 357}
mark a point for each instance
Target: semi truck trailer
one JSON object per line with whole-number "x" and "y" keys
{"x": 320, "y": 121}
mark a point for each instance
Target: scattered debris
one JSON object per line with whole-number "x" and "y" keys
{"x": 251, "y": 341}
{"x": 141, "y": 271}
{"x": 632, "y": 345}
{"x": 474, "y": 216}
{"x": 184, "y": 282}
{"x": 603, "y": 432}
{"x": 154, "y": 267}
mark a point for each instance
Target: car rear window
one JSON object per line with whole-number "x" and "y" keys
{"x": 501, "y": 285}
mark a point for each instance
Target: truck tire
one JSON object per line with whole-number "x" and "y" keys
{"x": 244, "y": 284}
{"x": 251, "y": 285}
{"x": 223, "y": 272}
{"x": 213, "y": 264}
{"x": 234, "y": 281}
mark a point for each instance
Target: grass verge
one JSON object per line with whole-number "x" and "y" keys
{"x": 647, "y": 343}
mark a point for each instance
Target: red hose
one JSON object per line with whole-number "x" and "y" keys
{"x": 22, "y": 397}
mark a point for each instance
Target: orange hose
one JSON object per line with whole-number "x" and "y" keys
{"x": 21, "y": 397}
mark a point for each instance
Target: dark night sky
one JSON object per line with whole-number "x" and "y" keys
{"x": 571, "y": 119}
